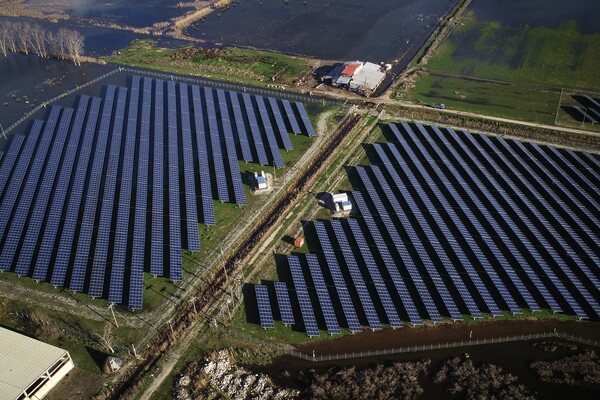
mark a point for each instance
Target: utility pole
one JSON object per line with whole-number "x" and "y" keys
{"x": 110, "y": 307}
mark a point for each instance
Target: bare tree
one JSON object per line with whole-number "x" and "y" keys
{"x": 74, "y": 44}
{"x": 37, "y": 39}
{"x": 23, "y": 32}
{"x": 58, "y": 44}
{"x": 3, "y": 39}
{"x": 10, "y": 36}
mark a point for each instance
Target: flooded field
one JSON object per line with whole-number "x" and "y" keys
{"x": 337, "y": 29}
{"x": 514, "y": 358}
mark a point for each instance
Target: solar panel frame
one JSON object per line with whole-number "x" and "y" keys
{"x": 10, "y": 157}
{"x": 13, "y": 189}
{"x": 53, "y": 207}
{"x": 372, "y": 268}
{"x": 306, "y": 308}
{"x": 174, "y": 211}
{"x": 215, "y": 141}
{"x": 338, "y": 278}
{"x": 280, "y": 123}
{"x": 359, "y": 283}
{"x": 264, "y": 307}
{"x": 208, "y": 211}
{"x": 117, "y": 272}
{"x": 65, "y": 243}
{"x": 516, "y": 230}
{"x": 535, "y": 231}
{"x": 241, "y": 131}
{"x": 103, "y": 236}
{"x": 136, "y": 277}
{"x": 291, "y": 117}
{"x": 407, "y": 261}
{"x": 263, "y": 115}
{"x": 234, "y": 168}
{"x": 327, "y": 309}
{"x": 29, "y": 214}
{"x": 191, "y": 208}
{"x": 259, "y": 146}
{"x": 553, "y": 232}
{"x": 308, "y": 126}
{"x": 284, "y": 304}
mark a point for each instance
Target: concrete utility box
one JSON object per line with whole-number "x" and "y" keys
{"x": 261, "y": 180}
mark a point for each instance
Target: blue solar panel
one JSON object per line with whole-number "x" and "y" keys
{"x": 534, "y": 229}
{"x": 136, "y": 280}
{"x": 291, "y": 117}
{"x": 175, "y": 256}
{"x": 283, "y": 302}
{"x": 234, "y": 168}
{"x": 400, "y": 247}
{"x": 52, "y": 136}
{"x": 448, "y": 236}
{"x": 497, "y": 281}
{"x": 380, "y": 286}
{"x": 338, "y": 278}
{"x": 264, "y": 307}
{"x": 280, "y": 123}
{"x": 271, "y": 139}
{"x": 422, "y": 252}
{"x": 117, "y": 271}
{"x": 359, "y": 283}
{"x": 240, "y": 127}
{"x": 585, "y": 228}
{"x": 483, "y": 235}
{"x": 514, "y": 229}
{"x": 14, "y": 186}
{"x": 306, "y": 308}
{"x": 388, "y": 261}
{"x": 568, "y": 170}
{"x": 550, "y": 227}
{"x": 308, "y": 127}
{"x": 65, "y": 241}
{"x": 191, "y": 208}
{"x": 157, "y": 235}
{"x": 41, "y": 205}
{"x": 208, "y": 212}
{"x": 103, "y": 237}
{"x": 11, "y": 157}
{"x": 27, "y": 188}
{"x": 331, "y": 321}
{"x": 259, "y": 147}
{"x": 215, "y": 141}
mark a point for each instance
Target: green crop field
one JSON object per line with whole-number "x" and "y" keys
{"x": 514, "y": 72}
{"x": 232, "y": 64}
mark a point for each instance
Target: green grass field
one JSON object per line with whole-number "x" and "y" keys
{"x": 232, "y": 64}
{"x": 514, "y": 72}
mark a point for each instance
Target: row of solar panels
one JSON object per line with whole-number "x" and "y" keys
{"x": 81, "y": 209}
{"x": 455, "y": 224}
{"x": 590, "y": 112}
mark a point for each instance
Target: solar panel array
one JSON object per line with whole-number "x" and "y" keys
{"x": 94, "y": 197}
{"x": 462, "y": 222}
{"x": 522, "y": 219}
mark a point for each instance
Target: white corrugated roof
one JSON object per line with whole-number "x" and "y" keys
{"x": 22, "y": 361}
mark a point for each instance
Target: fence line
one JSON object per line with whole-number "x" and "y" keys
{"x": 52, "y": 100}
{"x": 413, "y": 349}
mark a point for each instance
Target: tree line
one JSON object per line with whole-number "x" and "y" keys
{"x": 33, "y": 38}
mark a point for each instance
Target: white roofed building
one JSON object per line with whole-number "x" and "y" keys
{"x": 29, "y": 369}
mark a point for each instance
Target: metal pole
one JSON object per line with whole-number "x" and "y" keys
{"x": 3, "y": 133}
